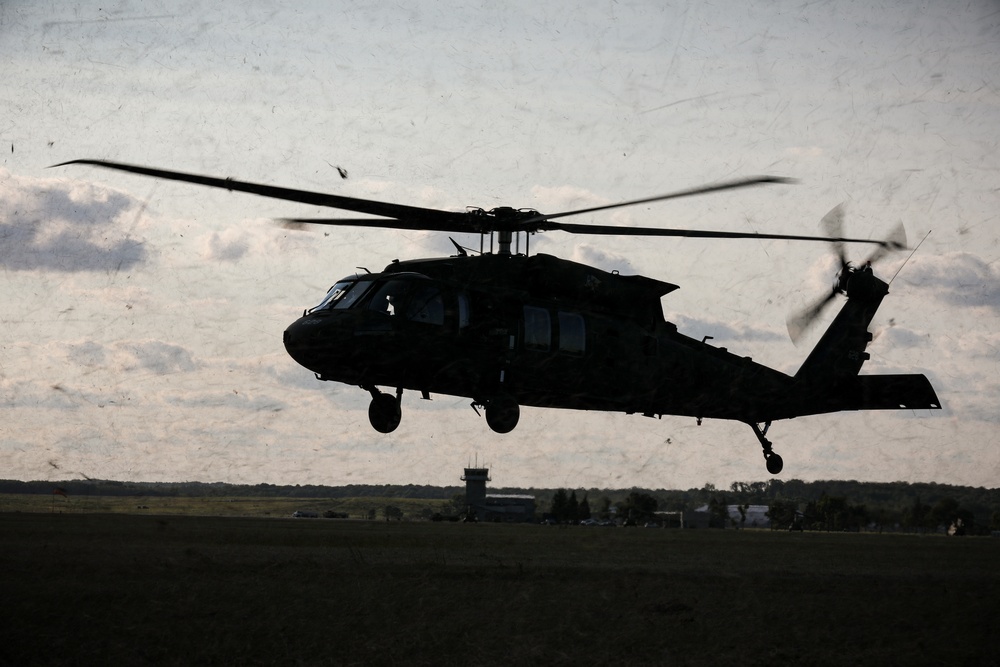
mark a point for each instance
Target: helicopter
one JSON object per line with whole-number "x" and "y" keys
{"x": 507, "y": 329}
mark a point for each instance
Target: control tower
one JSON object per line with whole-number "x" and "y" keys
{"x": 475, "y": 488}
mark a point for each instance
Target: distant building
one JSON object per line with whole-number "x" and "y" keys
{"x": 475, "y": 486}
{"x": 484, "y": 506}
{"x": 756, "y": 517}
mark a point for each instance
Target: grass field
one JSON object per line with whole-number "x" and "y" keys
{"x": 263, "y": 506}
{"x": 135, "y": 589}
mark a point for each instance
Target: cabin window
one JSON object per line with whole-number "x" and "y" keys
{"x": 463, "y": 310}
{"x": 537, "y": 328}
{"x": 426, "y": 306}
{"x": 572, "y": 333}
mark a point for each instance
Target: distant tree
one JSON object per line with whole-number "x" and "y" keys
{"x": 584, "y": 511}
{"x": 743, "y": 514}
{"x": 638, "y": 506}
{"x": 560, "y": 503}
{"x": 947, "y": 512}
{"x": 718, "y": 512}
{"x": 832, "y": 512}
{"x": 572, "y": 508}
{"x": 705, "y": 494}
{"x": 781, "y": 513}
{"x": 392, "y": 512}
{"x": 917, "y": 516}
{"x": 749, "y": 492}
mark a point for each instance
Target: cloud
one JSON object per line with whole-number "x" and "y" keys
{"x": 957, "y": 278}
{"x": 726, "y": 332}
{"x": 157, "y": 357}
{"x": 230, "y": 246}
{"x": 804, "y": 151}
{"x": 66, "y": 226}
{"x": 587, "y": 253}
{"x": 125, "y": 356}
{"x": 566, "y": 197}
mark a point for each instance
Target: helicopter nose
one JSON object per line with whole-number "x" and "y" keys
{"x": 308, "y": 341}
{"x": 291, "y": 345}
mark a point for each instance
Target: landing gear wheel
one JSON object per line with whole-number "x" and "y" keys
{"x": 384, "y": 413}
{"x": 774, "y": 462}
{"x": 502, "y": 414}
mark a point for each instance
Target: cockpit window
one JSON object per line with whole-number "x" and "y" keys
{"x": 353, "y": 294}
{"x": 343, "y": 294}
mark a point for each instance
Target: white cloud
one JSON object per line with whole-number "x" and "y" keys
{"x": 957, "y": 278}
{"x": 64, "y": 226}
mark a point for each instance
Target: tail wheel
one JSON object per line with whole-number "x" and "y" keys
{"x": 774, "y": 462}
{"x": 384, "y": 413}
{"x": 502, "y": 414}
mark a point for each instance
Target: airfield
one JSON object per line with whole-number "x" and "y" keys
{"x": 173, "y": 589}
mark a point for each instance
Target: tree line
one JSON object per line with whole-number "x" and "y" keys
{"x": 828, "y": 504}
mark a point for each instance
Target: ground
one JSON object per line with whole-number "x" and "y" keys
{"x": 172, "y": 589}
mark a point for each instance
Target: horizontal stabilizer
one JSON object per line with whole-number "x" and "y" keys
{"x": 894, "y": 392}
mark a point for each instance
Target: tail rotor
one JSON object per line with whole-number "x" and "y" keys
{"x": 832, "y": 223}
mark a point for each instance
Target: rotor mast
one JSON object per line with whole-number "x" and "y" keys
{"x": 506, "y": 221}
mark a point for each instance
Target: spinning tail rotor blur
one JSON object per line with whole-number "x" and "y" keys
{"x": 832, "y": 223}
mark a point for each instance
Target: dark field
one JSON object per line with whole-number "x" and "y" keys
{"x": 121, "y": 589}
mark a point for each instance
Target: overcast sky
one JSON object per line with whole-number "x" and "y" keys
{"x": 142, "y": 320}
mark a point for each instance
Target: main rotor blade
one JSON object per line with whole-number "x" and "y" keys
{"x": 730, "y": 185}
{"x": 895, "y": 241}
{"x": 574, "y": 228}
{"x": 463, "y": 225}
{"x": 286, "y": 194}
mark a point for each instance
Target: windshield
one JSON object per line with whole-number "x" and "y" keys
{"x": 343, "y": 294}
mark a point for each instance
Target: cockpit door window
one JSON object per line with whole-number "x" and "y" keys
{"x": 389, "y": 297}
{"x": 426, "y": 306}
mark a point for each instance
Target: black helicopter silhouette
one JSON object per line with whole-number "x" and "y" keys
{"x": 507, "y": 329}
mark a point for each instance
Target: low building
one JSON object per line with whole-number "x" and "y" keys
{"x": 756, "y": 517}
{"x": 508, "y": 507}
{"x": 482, "y": 506}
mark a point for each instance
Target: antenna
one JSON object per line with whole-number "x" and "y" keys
{"x": 909, "y": 256}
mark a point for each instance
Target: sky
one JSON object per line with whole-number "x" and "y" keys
{"x": 142, "y": 320}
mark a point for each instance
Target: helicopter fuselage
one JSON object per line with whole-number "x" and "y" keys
{"x": 539, "y": 331}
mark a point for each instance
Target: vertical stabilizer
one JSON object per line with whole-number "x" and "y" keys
{"x": 840, "y": 353}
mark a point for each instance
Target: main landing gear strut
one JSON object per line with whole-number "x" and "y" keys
{"x": 774, "y": 462}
